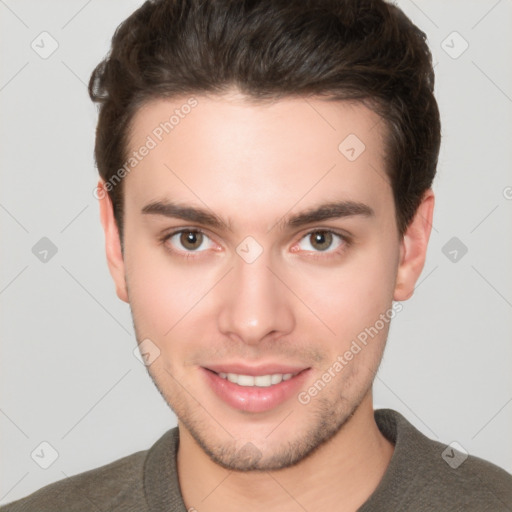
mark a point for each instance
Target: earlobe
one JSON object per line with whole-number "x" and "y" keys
{"x": 413, "y": 248}
{"x": 112, "y": 242}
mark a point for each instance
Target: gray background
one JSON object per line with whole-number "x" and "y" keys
{"x": 68, "y": 373}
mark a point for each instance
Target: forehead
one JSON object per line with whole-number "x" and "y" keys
{"x": 233, "y": 154}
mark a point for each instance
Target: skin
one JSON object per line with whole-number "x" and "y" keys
{"x": 254, "y": 165}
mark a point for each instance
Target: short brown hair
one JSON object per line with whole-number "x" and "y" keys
{"x": 363, "y": 50}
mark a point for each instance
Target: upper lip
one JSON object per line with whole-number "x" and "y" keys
{"x": 263, "y": 369}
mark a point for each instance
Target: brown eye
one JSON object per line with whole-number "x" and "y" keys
{"x": 321, "y": 240}
{"x": 191, "y": 240}
{"x": 188, "y": 241}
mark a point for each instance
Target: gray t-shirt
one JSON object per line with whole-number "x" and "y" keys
{"x": 423, "y": 476}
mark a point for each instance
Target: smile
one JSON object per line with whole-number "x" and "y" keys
{"x": 262, "y": 381}
{"x": 255, "y": 393}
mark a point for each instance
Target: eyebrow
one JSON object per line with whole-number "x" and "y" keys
{"x": 325, "y": 211}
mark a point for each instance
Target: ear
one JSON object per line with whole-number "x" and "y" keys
{"x": 112, "y": 241}
{"x": 413, "y": 248}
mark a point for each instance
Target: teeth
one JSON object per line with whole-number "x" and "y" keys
{"x": 243, "y": 380}
{"x": 262, "y": 381}
{"x": 276, "y": 378}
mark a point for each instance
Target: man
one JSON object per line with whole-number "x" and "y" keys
{"x": 265, "y": 193}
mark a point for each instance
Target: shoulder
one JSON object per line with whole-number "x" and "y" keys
{"x": 469, "y": 482}
{"x": 429, "y": 475}
{"x": 117, "y": 485}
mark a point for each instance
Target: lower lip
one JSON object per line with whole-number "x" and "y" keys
{"x": 254, "y": 398}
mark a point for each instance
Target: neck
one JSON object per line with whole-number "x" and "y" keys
{"x": 339, "y": 475}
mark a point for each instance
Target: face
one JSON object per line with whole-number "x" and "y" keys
{"x": 260, "y": 244}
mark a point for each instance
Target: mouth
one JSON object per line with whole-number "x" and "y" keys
{"x": 255, "y": 390}
{"x": 262, "y": 381}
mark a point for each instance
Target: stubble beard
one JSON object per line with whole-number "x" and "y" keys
{"x": 328, "y": 418}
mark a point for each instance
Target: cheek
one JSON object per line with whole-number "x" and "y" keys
{"x": 357, "y": 306}
{"x": 351, "y": 296}
{"x": 161, "y": 291}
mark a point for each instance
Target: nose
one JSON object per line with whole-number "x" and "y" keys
{"x": 254, "y": 302}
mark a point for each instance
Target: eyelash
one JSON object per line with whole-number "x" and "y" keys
{"x": 188, "y": 255}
